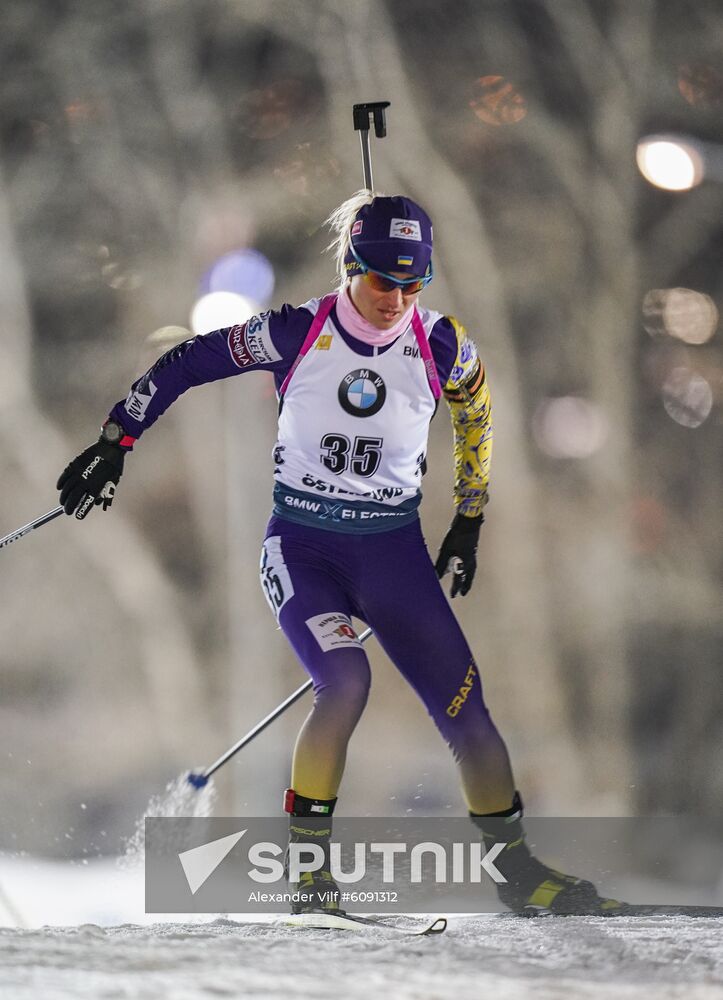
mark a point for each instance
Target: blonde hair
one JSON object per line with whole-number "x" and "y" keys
{"x": 340, "y": 221}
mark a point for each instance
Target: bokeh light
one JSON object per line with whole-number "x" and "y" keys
{"x": 669, "y": 163}
{"x": 569, "y": 427}
{"x": 245, "y": 272}
{"x": 81, "y": 112}
{"x": 116, "y": 275}
{"x": 701, "y": 84}
{"x": 496, "y": 101}
{"x": 268, "y": 111}
{"x": 220, "y": 309}
{"x": 682, "y": 313}
{"x": 687, "y": 397}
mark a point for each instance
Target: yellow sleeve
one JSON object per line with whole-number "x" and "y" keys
{"x": 468, "y": 399}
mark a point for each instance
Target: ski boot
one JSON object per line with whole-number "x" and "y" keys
{"x": 310, "y": 823}
{"x": 533, "y": 888}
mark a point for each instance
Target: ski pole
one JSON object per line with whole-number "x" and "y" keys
{"x": 27, "y": 528}
{"x": 362, "y": 113}
{"x": 200, "y": 778}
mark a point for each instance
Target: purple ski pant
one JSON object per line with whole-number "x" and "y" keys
{"x": 315, "y": 580}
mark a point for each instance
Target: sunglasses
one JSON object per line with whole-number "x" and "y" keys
{"x": 380, "y": 281}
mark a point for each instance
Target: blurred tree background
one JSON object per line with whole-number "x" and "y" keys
{"x": 142, "y": 141}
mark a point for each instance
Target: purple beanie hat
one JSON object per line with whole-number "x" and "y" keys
{"x": 391, "y": 234}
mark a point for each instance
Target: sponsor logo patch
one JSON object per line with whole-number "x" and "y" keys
{"x": 405, "y": 229}
{"x": 362, "y": 393}
{"x": 332, "y": 630}
{"x": 138, "y": 402}
{"x": 323, "y": 343}
{"x": 258, "y": 339}
{"x": 237, "y": 347}
{"x": 460, "y": 698}
{"x": 84, "y": 507}
{"x": 91, "y": 466}
{"x": 251, "y": 344}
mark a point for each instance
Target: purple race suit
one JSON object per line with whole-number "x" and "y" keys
{"x": 344, "y": 539}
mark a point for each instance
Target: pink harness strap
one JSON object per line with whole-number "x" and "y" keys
{"x": 322, "y": 314}
{"x": 426, "y": 353}
{"x": 317, "y": 324}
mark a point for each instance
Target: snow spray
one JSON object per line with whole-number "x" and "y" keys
{"x": 179, "y": 799}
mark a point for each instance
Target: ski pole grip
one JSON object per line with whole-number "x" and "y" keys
{"x": 377, "y": 110}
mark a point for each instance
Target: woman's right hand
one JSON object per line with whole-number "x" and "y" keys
{"x": 91, "y": 478}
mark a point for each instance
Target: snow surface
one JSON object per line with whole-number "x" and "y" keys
{"x": 504, "y": 958}
{"x": 103, "y": 946}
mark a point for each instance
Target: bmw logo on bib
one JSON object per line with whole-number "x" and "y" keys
{"x": 362, "y": 393}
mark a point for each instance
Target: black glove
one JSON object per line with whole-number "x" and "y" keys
{"x": 460, "y": 543}
{"x": 91, "y": 478}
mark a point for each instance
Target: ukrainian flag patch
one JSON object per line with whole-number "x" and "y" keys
{"x": 405, "y": 261}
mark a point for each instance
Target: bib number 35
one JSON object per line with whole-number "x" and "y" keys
{"x": 362, "y": 457}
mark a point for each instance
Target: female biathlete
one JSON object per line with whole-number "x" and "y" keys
{"x": 359, "y": 375}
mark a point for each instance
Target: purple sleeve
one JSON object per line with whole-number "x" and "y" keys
{"x": 443, "y": 344}
{"x": 267, "y": 342}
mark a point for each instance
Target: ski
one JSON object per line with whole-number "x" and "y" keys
{"x": 627, "y": 910}
{"x": 318, "y": 919}
{"x": 669, "y": 910}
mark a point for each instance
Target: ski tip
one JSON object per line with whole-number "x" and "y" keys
{"x": 341, "y": 921}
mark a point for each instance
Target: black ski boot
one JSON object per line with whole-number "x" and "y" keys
{"x": 532, "y": 888}
{"x": 310, "y": 823}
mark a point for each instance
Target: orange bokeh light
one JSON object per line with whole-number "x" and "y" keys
{"x": 270, "y": 110}
{"x": 79, "y": 112}
{"x": 701, "y": 84}
{"x": 497, "y": 102}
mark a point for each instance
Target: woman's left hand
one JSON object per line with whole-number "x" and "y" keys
{"x": 458, "y": 553}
